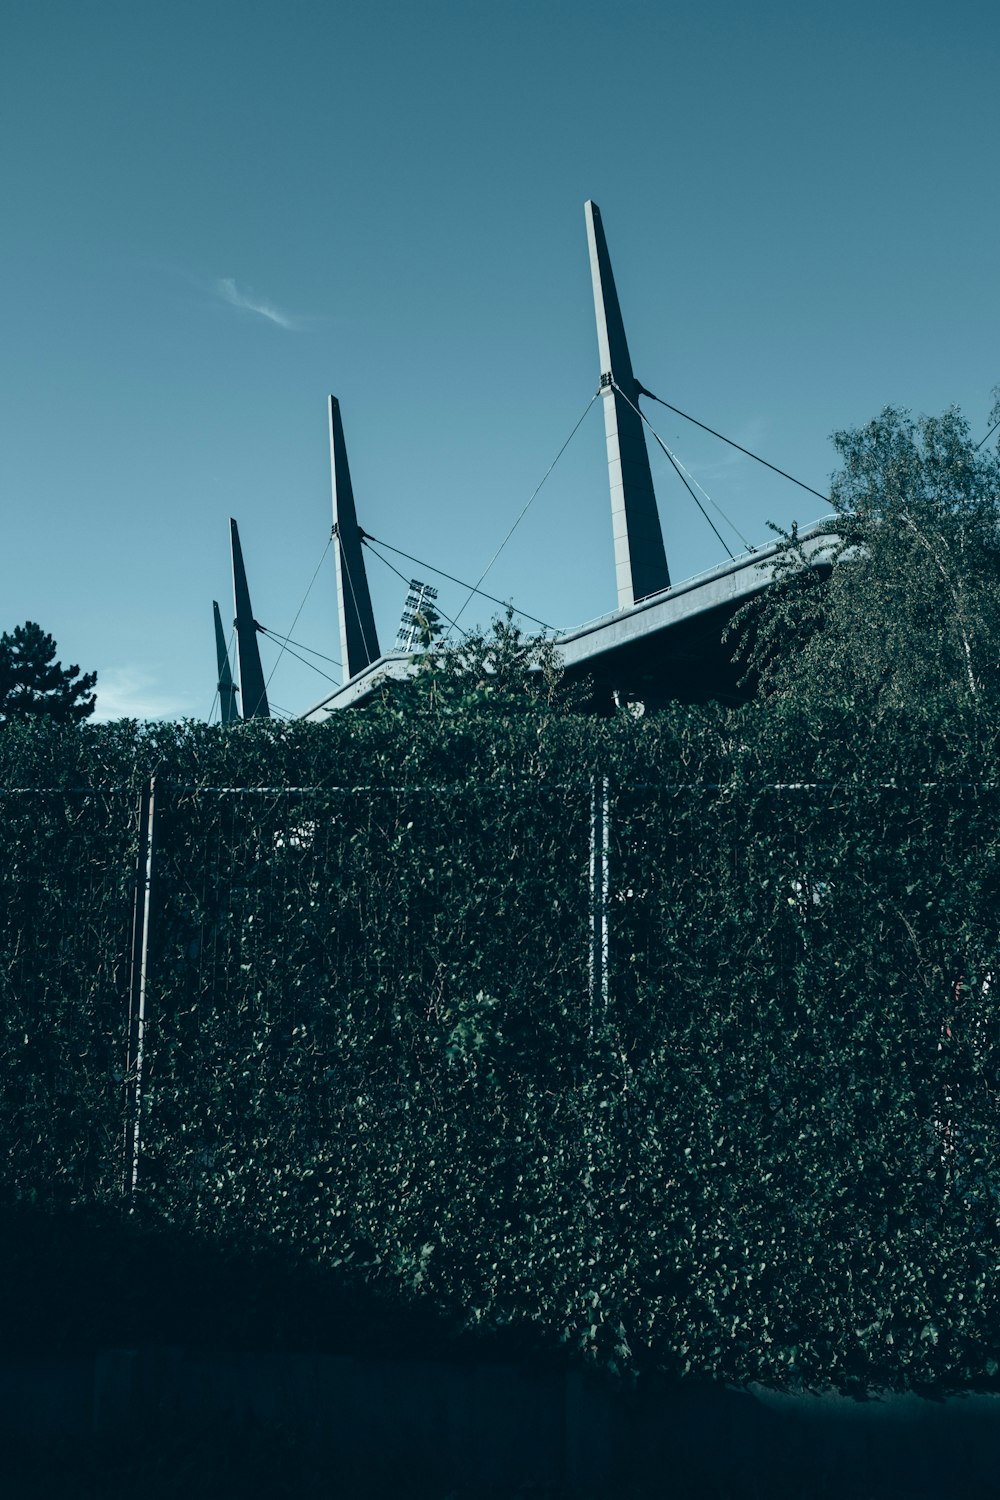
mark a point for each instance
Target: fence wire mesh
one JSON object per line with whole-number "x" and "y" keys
{"x": 632, "y": 1061}
{"x": 66, "y": 904}
{"x": 327, "y": 967}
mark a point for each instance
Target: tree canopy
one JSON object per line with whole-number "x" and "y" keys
{"x": 905, "y": 607}
{"x": 901, "y": 610}
{"x": 34, "y": 684}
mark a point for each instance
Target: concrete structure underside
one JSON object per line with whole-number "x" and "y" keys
{"x": 669, "y": 648}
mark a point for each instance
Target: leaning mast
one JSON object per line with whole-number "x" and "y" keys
{"x": 226, "y": 687}
{"x": 253, "y": 692}
{"x": 640, "y": 558}
{"x": 358, "y": 637}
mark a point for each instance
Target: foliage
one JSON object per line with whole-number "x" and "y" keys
{"x": 766, "y": 1149}
{"x": 34, "y": 684}
{"x": 65, "y": 906}
{"x": 905, "y": 608}
{"x": 501, "y": 670}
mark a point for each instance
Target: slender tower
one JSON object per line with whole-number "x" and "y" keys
{"x": 227, "y": 690}
{"x": 358, "y": 638}
{"x": 640, "y": 559}
{"x": 253, "y": 693}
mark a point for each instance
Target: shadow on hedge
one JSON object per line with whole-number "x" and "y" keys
{"x": 75, "y": 1281}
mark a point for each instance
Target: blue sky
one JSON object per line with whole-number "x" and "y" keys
{"x": 213, "y": 215}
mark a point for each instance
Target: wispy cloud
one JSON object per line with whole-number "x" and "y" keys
{"x": 131, "y": 693}
{"x": 711, "y": 459}
{"x": 227, "y": 289}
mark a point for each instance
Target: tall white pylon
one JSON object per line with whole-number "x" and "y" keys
{"x": 640, "y": 559}
{"x": 358, "y": 639}
{"x": 253, "y": 690}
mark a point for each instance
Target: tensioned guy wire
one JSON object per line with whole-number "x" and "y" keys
{"x": 367, "y": 539}
{"x": 403, "y": 576}
{"x": 302, "y": 647}
{"x": 677, "y": 470}
{"x": 301, "y": 607}
{"x": 756, "y": 456}
{"x": 286, "y": 647}
{"x": 520, "y": 517}
{"x": 715, "y": 506}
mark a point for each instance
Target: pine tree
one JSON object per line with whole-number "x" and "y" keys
{"x": 34, "y": 684}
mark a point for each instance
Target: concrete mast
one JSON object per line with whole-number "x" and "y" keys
{"x": 227, "y": 690}
{"x": 253, "y": 693}
{"x": 640, "y": 559}
{"x": 358, "y": 638}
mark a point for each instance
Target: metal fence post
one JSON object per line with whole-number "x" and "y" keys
{"x": 138, "y": 971}
{"x": 599, "y": 830}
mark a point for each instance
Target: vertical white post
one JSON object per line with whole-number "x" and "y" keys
{"x": 598, "y": 895}
{"x": 138, "y": 982}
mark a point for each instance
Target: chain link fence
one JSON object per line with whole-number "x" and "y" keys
{"x": 694, "y": 1074}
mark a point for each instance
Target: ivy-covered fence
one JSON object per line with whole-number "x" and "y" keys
{"x": 688, "y": 1072}
{"x": 67, "y": 892}
{"x": 807, "y": 1030}
{"x": 365, "y": 1007}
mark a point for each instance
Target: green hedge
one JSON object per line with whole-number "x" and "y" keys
{"x": 765, "y": 1148}
{"x": 66, "y": 887}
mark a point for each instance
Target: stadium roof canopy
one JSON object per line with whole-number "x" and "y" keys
{"x": 666, "y": 641}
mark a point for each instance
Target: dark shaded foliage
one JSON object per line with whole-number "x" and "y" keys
{"x": 770, "y": 1152}
{"x": 904, "y": 609}
{"x": 34, "y": 684}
